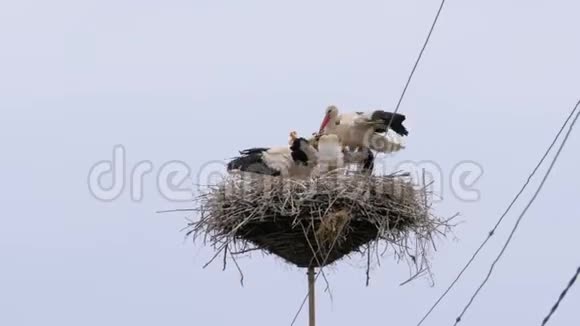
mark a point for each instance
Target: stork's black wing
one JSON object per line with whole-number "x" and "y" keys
{"x": 255, "y": 150}
{"x": 251, "y": 160}
{"x": 385, "y": 118}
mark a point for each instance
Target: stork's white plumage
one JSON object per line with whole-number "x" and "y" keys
{"x": 378, "y": 130}
{"x": 295, "y": 161}
{"x": 364, "y": 158}
{"x": 330, "y": 155}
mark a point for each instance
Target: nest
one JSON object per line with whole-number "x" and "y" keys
{"x": 318, "y": 221}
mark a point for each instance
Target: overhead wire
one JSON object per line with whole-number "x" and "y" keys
{"x": 561, "y": 298}
{"x": 502, "y": 217}
{"x": 522, "y": 215}
{"x": 416, "y": 63}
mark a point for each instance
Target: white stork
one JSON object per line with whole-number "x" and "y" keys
{"x": 297, "y": 160}
{"x": 333, "y": 155}
{"x": 330, "y": 154}
{"x": 360, "y": 130}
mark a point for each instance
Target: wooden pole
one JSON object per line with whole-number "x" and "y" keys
{"x": 311, "y": 301}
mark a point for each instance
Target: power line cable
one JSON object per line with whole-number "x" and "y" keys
{"x": 561, "y": 298}
{"x": 417, "y": 62}
{"x": 508, "y": 209}
{"x": 520, "y": 218}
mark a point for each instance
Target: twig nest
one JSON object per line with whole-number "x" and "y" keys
{"x": 318, "y": 221}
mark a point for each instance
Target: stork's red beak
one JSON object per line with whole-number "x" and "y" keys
{"x": 324, "y": 123}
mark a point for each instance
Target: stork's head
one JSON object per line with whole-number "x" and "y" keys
{"x": 295, "y": 141}
{"x": 330, "y": 115}
{"x": 302, "y": 146}
{"x": 293, "y": 137}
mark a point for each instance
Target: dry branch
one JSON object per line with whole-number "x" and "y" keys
{"x": 316, "y": 222}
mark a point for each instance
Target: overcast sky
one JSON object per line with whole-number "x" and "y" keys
{"x": 196, "y": 81}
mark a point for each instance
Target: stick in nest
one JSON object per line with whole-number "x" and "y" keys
{"x": 267, "y": 213}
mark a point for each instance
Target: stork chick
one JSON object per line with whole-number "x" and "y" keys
{"x": 295, "y": 161}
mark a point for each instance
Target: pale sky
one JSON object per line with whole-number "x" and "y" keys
{"x": 197, "y": 81}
